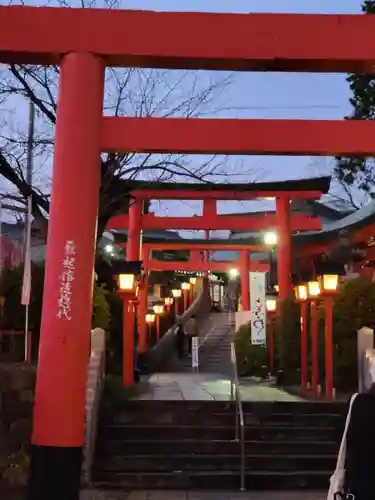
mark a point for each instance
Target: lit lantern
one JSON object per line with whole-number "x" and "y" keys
{"x": 300, "y": 292}
{"x": 176, "y": 292}
{"x": 271, "y": 304}
{"x": 329, "y": 283}
{"x": 150, "y": 318}
{"x": 270, "y": 238}
{"x": 129, "y": 278}
{"x": 158, "y": 309}
{"x": 233, "y": 273}
{"x": 193, "y": 280}
{"x": 185, "y": 286}
{"x": 271, "y": 307}
{"x": 126, "y": 282}
{"x": 168, "y": 301}
{"x": 313, "y": 289}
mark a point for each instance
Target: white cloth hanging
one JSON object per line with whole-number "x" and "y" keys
{"x": 338, "y": 478}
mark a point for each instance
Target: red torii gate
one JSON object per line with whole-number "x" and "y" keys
{"x": 283, "y": 192}
{"x": 196, "y": 264}
{"x": 136, "y": 221}
{"x": 69, "y": 38}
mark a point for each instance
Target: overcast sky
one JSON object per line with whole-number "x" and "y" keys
{"x": 270, "y": 95}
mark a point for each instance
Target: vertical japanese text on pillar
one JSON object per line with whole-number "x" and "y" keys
{"x": 66, "y": 281}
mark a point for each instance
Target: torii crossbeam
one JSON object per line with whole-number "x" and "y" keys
{"x": 83, "y": 42}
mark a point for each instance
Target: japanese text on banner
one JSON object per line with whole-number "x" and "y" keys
{"x": 258, "y": 308}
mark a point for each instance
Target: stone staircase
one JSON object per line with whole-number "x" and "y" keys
{"x": 214, "y": 349}
{"x": 216, "y": 334}
{"x": 190, "y": 445}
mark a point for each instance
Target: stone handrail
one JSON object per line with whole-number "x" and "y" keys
{"x": 162, "y": 351}
{"x": 94, "y": 388}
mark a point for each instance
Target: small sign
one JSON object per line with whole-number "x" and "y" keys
{"x": 195, "y": 352}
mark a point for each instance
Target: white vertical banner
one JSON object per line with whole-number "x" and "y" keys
{"x": 258, "y": 308}
{"x": 195, "y": 353}
{"x": 222, "y": 299}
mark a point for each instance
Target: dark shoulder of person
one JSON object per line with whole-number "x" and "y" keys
{"x": 363, "y": 414}
{"x": 363, "y": 405}
{"x": 358, "y": 403}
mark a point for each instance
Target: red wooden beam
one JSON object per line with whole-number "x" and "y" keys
{"x": 238, "y": 137}
{"x": 149, "y": 221}
{"x": 201, "y": 247}
{"x": 292, "y": 42}
{"x": 216, "y": 266}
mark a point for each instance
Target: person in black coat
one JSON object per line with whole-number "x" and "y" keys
{"x": 180, "y": 339}
{"x": 360, "y": 450}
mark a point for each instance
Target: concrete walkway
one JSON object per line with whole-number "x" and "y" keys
{"x": 206, "y": 387}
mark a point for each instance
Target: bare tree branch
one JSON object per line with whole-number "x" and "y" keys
{"x": 128, "y": 92}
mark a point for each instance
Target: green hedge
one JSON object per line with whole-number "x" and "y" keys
{"x": 288, "y": 340}
{"x": 251, "y": 359}
{"x": 354, "y": 307}
{"x": 12, "y": 312}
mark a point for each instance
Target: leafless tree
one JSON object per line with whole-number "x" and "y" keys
{"x": 128, "y": 92}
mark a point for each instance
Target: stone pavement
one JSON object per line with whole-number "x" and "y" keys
{"x": 205, "y": 495}
{"x": 206, "y": 387}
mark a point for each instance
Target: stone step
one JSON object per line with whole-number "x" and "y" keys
{"x": 215, "y": 352}
{"x": 262, "y": 409}
{"x": 199, "y": 462}
{"x": 216, "y": 334}
{"x": 264, "y": 433}
{"x": 192, "y": 446}
{"x": 220, "y": 347}
{"x": 221, "y": 419}
{"x": 215, "y": 480}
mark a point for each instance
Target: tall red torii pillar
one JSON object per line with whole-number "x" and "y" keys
{"x": 59, "y": 411}
{"x": 245, "y": 279}
{"x": 284, "y": 248}
{"x": 209, "y": 212}
{"x": 131, "y": 311}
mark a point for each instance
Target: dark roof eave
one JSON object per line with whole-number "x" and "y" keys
{"x": 324, "y": 236}
{"x": 321, "y": 184}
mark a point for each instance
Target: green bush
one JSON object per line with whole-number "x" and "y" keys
{"x": 288, "y": 339}
{"x": 12, "y": 312}
{"x": 100, "y": 308}
{"x": 114, "y": 393}
{"x": 14, "y": 469}
{"x": 353, "y": 309}
{"x": 251, "y": 359}
{"x": 114, "y": 337}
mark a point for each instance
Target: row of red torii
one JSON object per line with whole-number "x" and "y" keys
{"x": 69, "y": 39}
{"x": 282, "y": 222}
